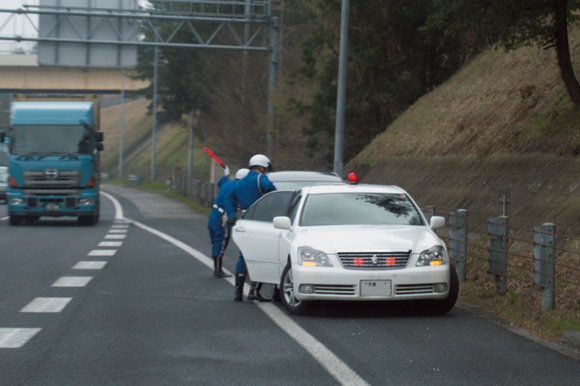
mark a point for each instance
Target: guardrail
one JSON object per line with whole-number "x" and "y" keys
{"x": 539, "y": 258}
{"x": 196, "y": 190}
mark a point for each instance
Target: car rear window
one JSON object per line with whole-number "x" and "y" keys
{"x": 359, "y": 208}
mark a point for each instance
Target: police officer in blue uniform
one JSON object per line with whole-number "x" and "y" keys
{"x": 219, "y": 229}
{"x": 243, "y": 194}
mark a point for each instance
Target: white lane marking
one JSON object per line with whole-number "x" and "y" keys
{"x": 327, "y": 359}
{"x": 90, "y": 265}
{"x": 120, "y": 226}
{"x": 117, "y": 230}
{"x": 118, "y": 237}
{"x": 102, "y": 252}
{"x": 110, "y": 244}
{"x": 16, "y": 337}
{"x": 4, "y": 218}
{"x": 46, "y": 305}
{"x": 72, "y": 281}
{"x": 118, "y": 208}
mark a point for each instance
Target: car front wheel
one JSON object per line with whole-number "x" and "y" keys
{"x": 288, "y": 299}
{"x": 441, "y": 307}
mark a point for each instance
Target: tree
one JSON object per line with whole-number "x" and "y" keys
{"x": 511, "y": 24}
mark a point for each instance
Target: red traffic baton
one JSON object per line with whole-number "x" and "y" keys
{"x": 214, "y": 157}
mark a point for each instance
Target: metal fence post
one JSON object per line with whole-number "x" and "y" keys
{"x": 545, "y": 263}
{"x": 497, "y": 254}
{"x": 458, "y": 241}
{"x": 428, "y": 212}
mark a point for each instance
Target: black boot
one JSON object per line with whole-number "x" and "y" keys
{"x": 215, "y": 265}
{"x": 254, "y": 293}
{"x": 219, "y": 272}
{"x": 240, "y": 280}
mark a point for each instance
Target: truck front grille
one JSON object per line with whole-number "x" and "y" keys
{"x": 51, "y": 178}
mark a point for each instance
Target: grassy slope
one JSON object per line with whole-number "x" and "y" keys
{"x": 501, "y": 102}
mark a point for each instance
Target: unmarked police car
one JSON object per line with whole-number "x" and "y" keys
{"x": 346, "y": 242}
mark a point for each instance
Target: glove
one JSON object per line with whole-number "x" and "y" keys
{"x": 227, "y": 171}
{"x": 232, "y": 221}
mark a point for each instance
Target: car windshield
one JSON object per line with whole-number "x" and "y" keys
{"x": 295, "y": 185}
{"x": 3, "y": 154}
{"x": 50, "y": 139}
{"x": 359, "y": 208}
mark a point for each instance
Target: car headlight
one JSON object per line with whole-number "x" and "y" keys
{"x": 311, "y": 257}
{"x": 432, "y": 256}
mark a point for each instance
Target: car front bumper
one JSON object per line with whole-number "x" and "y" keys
{"x": 338, "y": 283}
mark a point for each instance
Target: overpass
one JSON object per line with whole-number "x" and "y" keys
{"x": 21, "y": 73}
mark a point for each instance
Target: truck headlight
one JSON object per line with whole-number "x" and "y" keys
{"x": 16, "y": 201}
{"x": 310, "y": 257}
{"x": 86, "y": 201}
{"x": 432, "y": 256}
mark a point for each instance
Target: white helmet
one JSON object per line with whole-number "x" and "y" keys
{"x": 242, "y": 173}
{"x": 260, "y": 160}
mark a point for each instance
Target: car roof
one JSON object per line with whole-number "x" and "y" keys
{"x": 303, "y": 176}
{"x": 355, "y": 188}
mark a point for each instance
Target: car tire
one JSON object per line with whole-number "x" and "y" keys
{"x": 15, "y": 220}
{"x": 441, "y": 307}
{"x": 292, "y": 305}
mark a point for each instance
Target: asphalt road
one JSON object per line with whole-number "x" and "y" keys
{"x": 148, "y": 311}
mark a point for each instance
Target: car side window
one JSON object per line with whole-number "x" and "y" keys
{"x": 272, "y": 205}
{"x": 294, "y": 206}
{"x": 248, "y": 214}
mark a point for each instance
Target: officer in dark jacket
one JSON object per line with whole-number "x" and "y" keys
{"x": 219, "y": 229}
{"x": 243, "y": 194}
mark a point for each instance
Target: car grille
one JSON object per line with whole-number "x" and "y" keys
{"x": 329, "y": 289}
{"x": 414, "y": 289}
{"x": 374, "y": 260}
{"x": 40, "y": 179}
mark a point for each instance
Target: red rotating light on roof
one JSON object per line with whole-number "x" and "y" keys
{"x": 352, "y": 178}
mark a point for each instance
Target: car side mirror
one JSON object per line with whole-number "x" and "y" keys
{"x": 99, "y": 146}
{"x": 99, "y": 136}
{"x": 437, "y": 222}
{"x": 282, "y": 222}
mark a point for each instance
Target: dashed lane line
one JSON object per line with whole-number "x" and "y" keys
{"x": 16, "y": 337}
{"x": 41, "y": 305}
{"x": 102, "y": 252}
{"x": 327, "y": 359}
{"x": 118, "y": 231}
{"x": 119, "y": 226}
{"x": 72, "y": 281}
{"x": 110, "y": 244}
{"x": 115, "y": 237}
{"x": 90, "y": 265}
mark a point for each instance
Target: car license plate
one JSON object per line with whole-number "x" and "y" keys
{"x": 375, "y": 288}
{"x": 51, "y": 206}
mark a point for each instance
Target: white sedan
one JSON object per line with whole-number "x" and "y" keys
{"x": 346, "y": 242}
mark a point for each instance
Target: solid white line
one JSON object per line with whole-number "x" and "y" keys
{"x": 110, "y": 244}
{"x": 118, "y": 208}
{"x": 117, "y": 230}
{"x": 90, "y": 265}
{"x": 334, "y": 365}
{"x": 102, "y": 252}
{"x": 46, "y": 305}
{"x": 16, "y": 337}
{"x": 72, "y": 281}
{"x": 118, "y": 237}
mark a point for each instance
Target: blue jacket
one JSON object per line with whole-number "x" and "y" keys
{"x": 221, "y": 181}
{"x": 223, "y": 191}
{"x": 247, "y": 191}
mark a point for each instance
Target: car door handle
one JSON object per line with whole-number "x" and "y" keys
{"x": 239, "y": 229}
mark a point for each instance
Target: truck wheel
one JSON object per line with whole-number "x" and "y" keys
{"x": 31, "y": 219}
{"x": 89, "y": 220}
{"x": 15, "y": 220}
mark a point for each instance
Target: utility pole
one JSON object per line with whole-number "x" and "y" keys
{"x": 154, "y": 113}
{"x": 190, "y": 164}
{"x": 271, "y": 82}
{"x": 121, "y": 128}
{"x": 341, "y": 95}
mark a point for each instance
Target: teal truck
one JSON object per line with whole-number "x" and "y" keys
{"x": 53, "y": 161}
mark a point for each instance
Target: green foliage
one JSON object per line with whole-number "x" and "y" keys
{"x": 389, "y": 67}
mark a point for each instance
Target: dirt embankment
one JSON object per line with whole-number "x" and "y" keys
{"x": 544, "y": 187}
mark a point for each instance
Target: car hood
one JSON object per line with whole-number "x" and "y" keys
{"x": 369, "y": 238}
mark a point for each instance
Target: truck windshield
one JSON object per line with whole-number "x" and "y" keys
{"x": 3, "y": 154}
{"x": 50, "y": 140}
